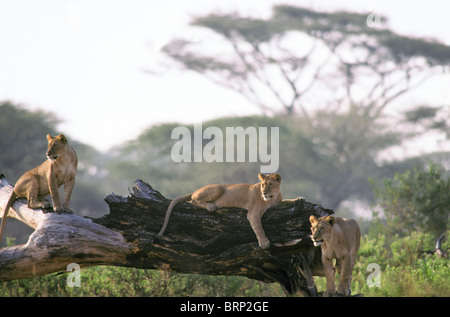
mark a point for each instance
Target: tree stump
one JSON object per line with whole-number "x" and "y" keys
{"x": 195, "y": 241}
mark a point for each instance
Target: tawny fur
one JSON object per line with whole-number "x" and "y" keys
{"x": 256, "y": 198}
{"x": 339, "y": 239}
{"x": 59, "y": 169}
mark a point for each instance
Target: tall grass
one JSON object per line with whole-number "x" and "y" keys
{"x": 405, "y": 270}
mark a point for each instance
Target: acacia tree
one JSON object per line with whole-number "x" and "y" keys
{"x": 277, "y": 62}
{"x": 300, "y": 60}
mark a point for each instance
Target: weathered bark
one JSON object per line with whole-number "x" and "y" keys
{"x": 58, "y": 240}
{"x": 196, "y": 241}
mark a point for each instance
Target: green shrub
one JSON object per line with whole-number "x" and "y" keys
{"x": 120, "y": 281}
{"x": 405, "y": 271}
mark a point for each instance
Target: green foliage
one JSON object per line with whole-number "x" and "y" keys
{"x": 149, "y": 158}
{"x": 350, "y": 142}
{"x": 425, "y": 118}
{"x": 371, "y": 251}
{"x": 119, "y": 281}
{"x": 343, "y": 25}
{"x": 405, "y": 271}
{"x": 327, "y": 163}
{"x": 416, "y": 200}
{"x": 408, "y": 249}
{"x": 254, "y": 30}
{"x": 22, "y": 133}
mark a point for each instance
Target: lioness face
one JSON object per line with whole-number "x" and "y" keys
{"x": 321, "y": 229}
{"x": 270, "y": 185}
{"x": 56, "y": 146}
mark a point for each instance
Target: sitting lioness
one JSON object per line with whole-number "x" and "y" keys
{"x": 256, "y": 198}
{"x": 339, "y": 239}
{"x": 59, "y": 168}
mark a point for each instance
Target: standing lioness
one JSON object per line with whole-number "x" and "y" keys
{"x": 59, "y": 169}
{"x": 339, "y": 239}
{"x": 256, "y": 198}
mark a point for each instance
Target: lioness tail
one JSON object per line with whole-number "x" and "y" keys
{"x": 169, "y": 211}
{"x": 5, "y": 213}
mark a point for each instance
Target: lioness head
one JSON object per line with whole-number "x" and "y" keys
{"x": 321, "y": 228}
{"x": 56, "y": 146}
{"x": 270, "y": 185}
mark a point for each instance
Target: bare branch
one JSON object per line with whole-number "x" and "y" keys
{"x": 264, "y": 79}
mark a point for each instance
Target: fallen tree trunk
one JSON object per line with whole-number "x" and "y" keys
{"x": 196, "y": 241}
{"x": 58, "y": 240}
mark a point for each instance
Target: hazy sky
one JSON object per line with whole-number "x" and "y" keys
{"x": 84, "y": 60}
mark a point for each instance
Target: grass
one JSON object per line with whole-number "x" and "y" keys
{"x": 404, "y": 271}
{"x": 104, "y": 281}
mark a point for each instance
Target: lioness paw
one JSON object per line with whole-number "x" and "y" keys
{"x": 264, "y": 243}
{"x": 329, "y": 294}
{"x": 344, "y": 291}
{"x": 59, "y": 209}
{"x": 46, "y": 205}
{"x": 67, "y": 209}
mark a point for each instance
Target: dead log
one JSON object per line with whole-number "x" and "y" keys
{"x": 58, "y": 240}
{"x": 196, "y": 241}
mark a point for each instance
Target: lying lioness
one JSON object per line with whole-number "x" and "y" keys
{"x": 256, "y": 198}
{"x": 339, "y": 239}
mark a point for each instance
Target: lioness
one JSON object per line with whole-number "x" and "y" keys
{"x": 59, "y": 169}
{"x": 256, "y": 198}
{"x": 339, "y": 239}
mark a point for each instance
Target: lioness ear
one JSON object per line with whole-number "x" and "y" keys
{"x": 312, "y": 219}
{"x": 331, "y": 220}
{"x": 62, "y": 138}
{"x": 277, "y": 177}
{"x": 261, "y": 177}
{"x": 49, "y": 138}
